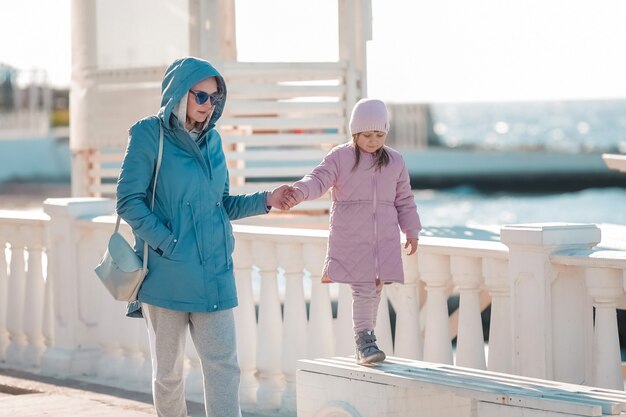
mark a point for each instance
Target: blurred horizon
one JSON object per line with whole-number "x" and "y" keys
{"x": 446, "y": 51}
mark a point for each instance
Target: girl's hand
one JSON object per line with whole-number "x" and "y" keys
{"x": 292, "y": 196}
{"x": 412, "y": 241}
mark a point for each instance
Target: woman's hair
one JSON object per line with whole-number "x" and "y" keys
{"x": 381, "y": 156}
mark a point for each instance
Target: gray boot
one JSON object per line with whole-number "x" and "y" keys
{"x": 366, "y": 349}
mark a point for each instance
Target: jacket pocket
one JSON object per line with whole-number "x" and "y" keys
{"x": 229, "y": 241}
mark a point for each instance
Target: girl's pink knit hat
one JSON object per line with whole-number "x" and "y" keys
{"x": 369, "y": 114}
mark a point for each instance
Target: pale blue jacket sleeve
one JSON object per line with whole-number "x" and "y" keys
{"x": 244, "y": 205}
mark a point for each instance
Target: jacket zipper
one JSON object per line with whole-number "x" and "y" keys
{"x": 374, "y": 204}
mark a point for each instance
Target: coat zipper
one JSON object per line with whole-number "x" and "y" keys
{"x": 374, "y": 203}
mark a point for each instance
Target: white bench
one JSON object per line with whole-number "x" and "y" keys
{"x": 337, "y": 387}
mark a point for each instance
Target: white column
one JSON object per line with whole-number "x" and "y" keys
{"x": 84, "y": 59}
{"x": 606, "y": 287}
{"x": 320, "y": 332}
{"x": 245, "y": 321}
{"x": 212, "y": 33}
{"x": 269, "y": 352}
{"x": 470, "y": 347}
{"x": 495, "y": 272}
{"x": 531, "y": 278}
{"x": 294, "y": 321}
{"x": 73, "y": 351}
{"x": 435, "y": 272}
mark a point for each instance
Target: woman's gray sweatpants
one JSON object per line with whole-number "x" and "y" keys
{"x": 213, "y": 335}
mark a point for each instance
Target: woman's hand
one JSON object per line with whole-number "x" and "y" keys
{"x": 276, "y": 198}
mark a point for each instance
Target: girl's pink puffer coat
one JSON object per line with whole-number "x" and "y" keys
{"x": 367, "y": 207}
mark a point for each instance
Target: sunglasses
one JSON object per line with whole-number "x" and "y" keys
{"x": 202, "y": 97}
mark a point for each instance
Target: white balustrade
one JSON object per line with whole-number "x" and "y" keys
{"x": 535, "y": 284}
{"x": 543, "y": 290}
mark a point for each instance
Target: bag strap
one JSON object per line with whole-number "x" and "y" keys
{"x": 156, "y": 176}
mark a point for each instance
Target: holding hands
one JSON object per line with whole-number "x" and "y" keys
{"x": 284, "y": 197}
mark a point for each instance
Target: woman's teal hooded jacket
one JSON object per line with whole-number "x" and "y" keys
{"x": 189, "y": 233}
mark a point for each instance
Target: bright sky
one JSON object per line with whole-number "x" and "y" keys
{"x": 436, "y": 50}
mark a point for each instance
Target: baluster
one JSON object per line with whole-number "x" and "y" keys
{"x": 405, "y": 301}
{"x": 606, "y": 287}
{"x": 130, "y": 331}
{"x": 193, "y": 379}
{"x": 34, "y": 302}
{"x": 269, "y": 352}
{"x": 344, "y": 331}
{"x": 294, "y": 321}
{"x": 495, "y": 272}
{"x": 48, "y": 303}
{"x": 467, "y": 275}
{"x": 320, "y": 333}
{"x": 245, "y": 321}
{"x": 111, "y": 356}
{"x": 435, "y": 272}
{"x": 4, "y": 334}
{"x": 15, "y": 302}
{"x": 383, "y": 325}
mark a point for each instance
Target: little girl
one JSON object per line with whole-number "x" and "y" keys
{"x": 371, "y": 198}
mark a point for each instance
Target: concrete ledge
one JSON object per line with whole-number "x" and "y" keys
{"x": 402, "y": 388}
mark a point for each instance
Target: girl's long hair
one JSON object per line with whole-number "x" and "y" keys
{"x": 381, "y": 156}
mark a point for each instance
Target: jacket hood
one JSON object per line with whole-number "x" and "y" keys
{"x": 179, "y": 77}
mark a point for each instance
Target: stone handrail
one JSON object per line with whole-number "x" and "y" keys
{"x": 541, "y": 279}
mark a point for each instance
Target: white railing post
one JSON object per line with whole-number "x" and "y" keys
{"x": 343, "y": 329}
{"x": 294, "y": 318}
{"x": 606, "y": 287}
{"x": 495, "y": 272}
{"x": 406, "y": 303}
{"x": 537, "y": 292}
{"x": 435, "y": 272}
{"x": 320, "y": 329}
{"x": 15, "y": 302}
{"x": 74, "y": 351}
{"x": 470, "y": 347}
{"x": 4, "y": 334}
{"x": 269, "y": 352}
{"x": 34, "y": 300}
{"x": 245, "y": 321}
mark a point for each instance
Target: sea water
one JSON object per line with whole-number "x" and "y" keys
{"x": 465, "y": 206}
